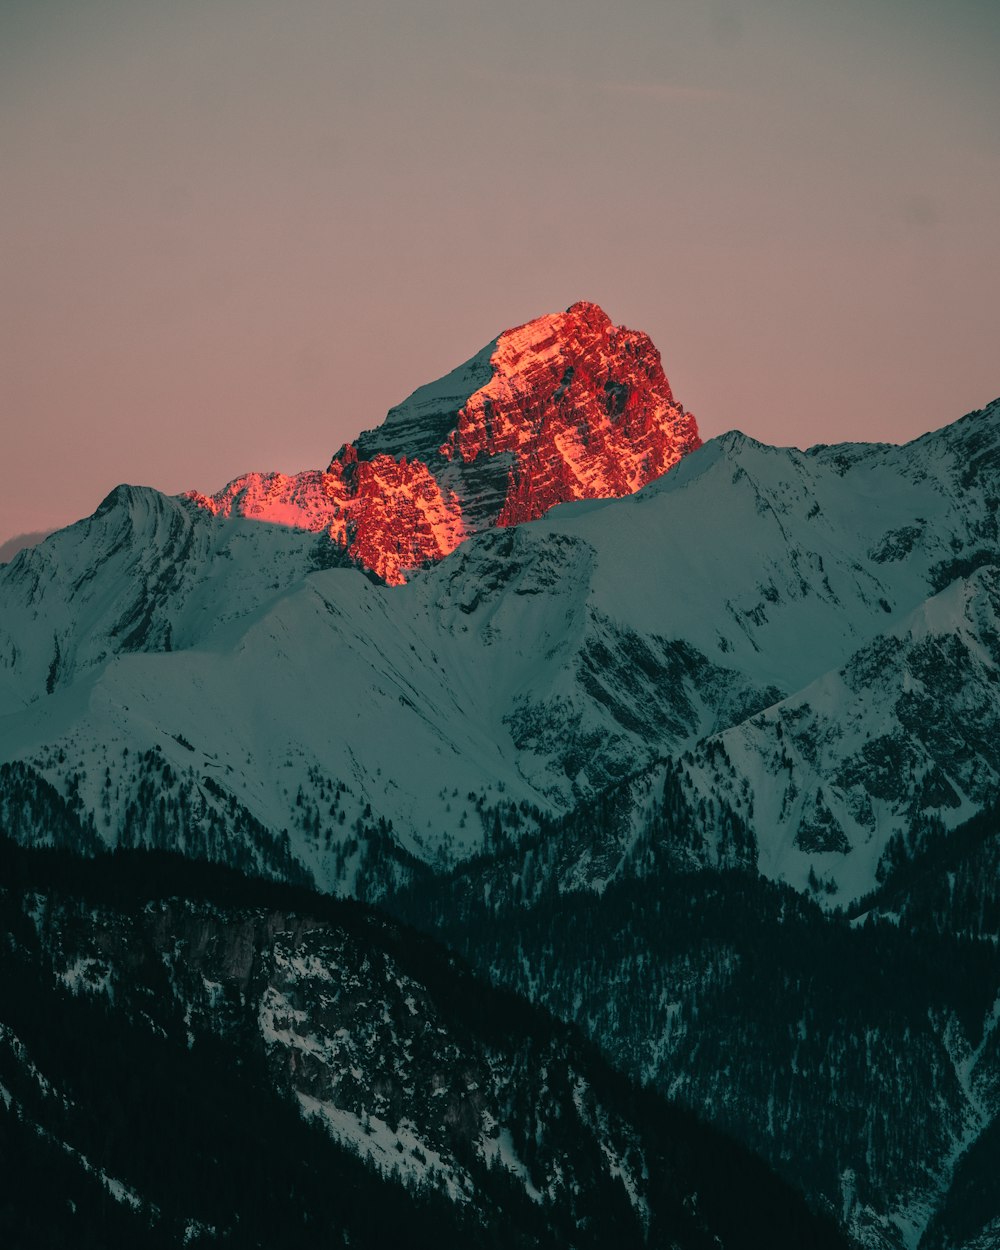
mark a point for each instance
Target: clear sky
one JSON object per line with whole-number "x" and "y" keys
{"x": 236, "y": 231}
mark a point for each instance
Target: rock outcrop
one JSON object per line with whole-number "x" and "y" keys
{"x": 568, "y": 406}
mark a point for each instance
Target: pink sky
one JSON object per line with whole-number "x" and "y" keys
{"x": 236, "y": 233}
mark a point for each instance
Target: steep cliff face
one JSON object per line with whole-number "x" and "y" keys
{"x": 568, "y": 406}
{"x": 389, "y": 515}
{"x": 581, "y": 406}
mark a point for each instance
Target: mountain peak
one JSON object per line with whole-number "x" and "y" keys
{"x": 566, "y": 406}
{"x": 552, "y": 335}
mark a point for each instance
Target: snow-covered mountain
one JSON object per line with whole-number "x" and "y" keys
{"x": 902, "y": 737}
{"x": 787, "y": 601}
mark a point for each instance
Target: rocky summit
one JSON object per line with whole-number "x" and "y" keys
{"x": 568, "y": 406}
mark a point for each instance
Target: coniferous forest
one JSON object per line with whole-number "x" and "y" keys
{"x": 164, "y": 1124}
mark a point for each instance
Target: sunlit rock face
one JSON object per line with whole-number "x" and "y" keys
{"x": 568, "y": 406}
{"x": 581, "y": 406}
{"x": 391, "y": 515}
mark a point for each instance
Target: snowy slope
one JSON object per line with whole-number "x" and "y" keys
{"x": 906, "y": 734}
{"x": 782, "y": 562}
{"x": 406, "y": 701}
{"x": 146, "y": 572}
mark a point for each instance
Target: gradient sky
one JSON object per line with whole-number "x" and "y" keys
{"x": 236, "y": 231}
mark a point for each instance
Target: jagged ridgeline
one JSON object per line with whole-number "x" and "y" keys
{"x": 693, "y": 758}
{"x": 256, "y": 1065}
{"x": 807, "y": 640}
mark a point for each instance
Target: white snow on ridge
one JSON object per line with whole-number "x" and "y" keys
{"x": 398, "y": 1151}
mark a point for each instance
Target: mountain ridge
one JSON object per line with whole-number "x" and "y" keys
{"x": 543, "y": 661}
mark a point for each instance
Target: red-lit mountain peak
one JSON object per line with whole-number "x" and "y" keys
{"x": 582, "y": 405}
{"x": 568, "y": 406}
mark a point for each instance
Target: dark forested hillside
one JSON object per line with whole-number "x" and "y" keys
{"x": 860, "y": 1056}
{"x": 242, "y": 1052}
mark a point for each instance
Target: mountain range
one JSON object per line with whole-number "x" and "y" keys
{"x": 677, "y": 740}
